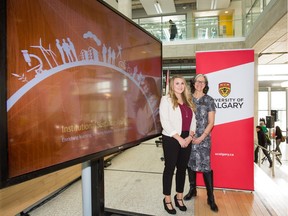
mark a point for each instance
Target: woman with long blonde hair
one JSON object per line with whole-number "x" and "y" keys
{"x": 178, "y": 122}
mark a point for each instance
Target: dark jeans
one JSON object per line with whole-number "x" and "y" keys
{"x": 174, "y": 156}
{"x": 265, "y": 153}
{"x": 172, "y": 36}
{"x": 278, "y": 142}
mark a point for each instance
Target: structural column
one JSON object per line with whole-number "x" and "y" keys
{"x": 286, "y": 111}
{"x": 269, "y": 101}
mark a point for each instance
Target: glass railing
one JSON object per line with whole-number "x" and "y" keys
{"x": 204, "y": 28}
{"x": 218, "y": 26}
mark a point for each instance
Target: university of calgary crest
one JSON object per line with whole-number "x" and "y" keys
{"x": 224, "y": 89}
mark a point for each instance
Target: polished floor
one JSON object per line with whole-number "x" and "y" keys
{"x": 133, "y": 184}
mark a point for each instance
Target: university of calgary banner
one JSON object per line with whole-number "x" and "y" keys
{"x": 230, "y": 75}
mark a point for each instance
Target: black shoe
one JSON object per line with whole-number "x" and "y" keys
{"x": 213, "y": 206}
{"x": 182, "y": 208}
{"x": 270, "y": 165}
{"x": 170, "y": 211}
{"x": 190, "y": 194}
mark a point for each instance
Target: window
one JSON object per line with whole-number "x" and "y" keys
{"x": 207, "y": 27}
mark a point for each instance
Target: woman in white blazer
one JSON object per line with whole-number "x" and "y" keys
{"x": 178, "y": 122}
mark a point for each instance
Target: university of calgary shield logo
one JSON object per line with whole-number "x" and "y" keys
{"x": 224, "y": 89}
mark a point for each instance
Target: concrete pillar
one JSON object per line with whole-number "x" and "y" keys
{"x": 269, "y": 101}
{"x": 286, "y": 111}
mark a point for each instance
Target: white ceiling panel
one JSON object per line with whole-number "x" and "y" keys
{"x": 167, "y": 6}
{"x": 278, "y": 46}
{"x": 212, "y": 4}
{"x": 283, "y": 59}
{"x": 284, "y": 37}
{"x": 221, "y": 4}
{"x": 265, "y": 59}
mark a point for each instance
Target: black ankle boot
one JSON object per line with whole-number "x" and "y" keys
{"x": 192, "y": 193}
{"x": 208, "y": 179}
{"x": 212, "y": 205}
{"x": 192, "y": 180}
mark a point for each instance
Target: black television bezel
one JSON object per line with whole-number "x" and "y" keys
{"x": 5, "y": 181}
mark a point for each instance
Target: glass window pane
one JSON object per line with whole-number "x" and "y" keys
{"x": 278, "y": 102}
{"x": 206, "y": 27}
{"x": 152, "y": 25}
{"x": 263, "y": 101}
{"x": 262, "y": 105}
{"x": 180, "y": 21}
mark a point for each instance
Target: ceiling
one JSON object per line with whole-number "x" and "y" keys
{"x": 271, "y": 48}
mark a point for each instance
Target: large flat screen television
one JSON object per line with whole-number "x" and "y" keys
{"x": 79, "y": 81}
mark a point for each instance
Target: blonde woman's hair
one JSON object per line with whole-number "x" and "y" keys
{"x": 186, "y": 94}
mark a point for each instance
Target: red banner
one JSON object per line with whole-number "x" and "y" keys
{"x": 231, "y": 83}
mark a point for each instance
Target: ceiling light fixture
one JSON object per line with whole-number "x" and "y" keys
{"x": 272, "y": 78}
{"x": 158, "y": 7}
{"x": 284, "y": 84}
{"x": 213, "y": 5}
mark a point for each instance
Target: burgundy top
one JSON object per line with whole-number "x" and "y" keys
{"x": 186, "y": 117}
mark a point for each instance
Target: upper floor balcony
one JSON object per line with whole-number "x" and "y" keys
{"x": 230, "y": 28}
{"x": 203, "y": 33}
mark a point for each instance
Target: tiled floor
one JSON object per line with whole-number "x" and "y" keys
{"x": 133, "y": 184}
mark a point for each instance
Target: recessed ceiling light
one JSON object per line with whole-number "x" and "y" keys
{"x": 284, "y": 84}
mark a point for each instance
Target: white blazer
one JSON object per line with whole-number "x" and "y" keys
{"x": 171, "y": 119}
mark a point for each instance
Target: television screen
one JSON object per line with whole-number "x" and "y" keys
{"x": 82, "y": 81}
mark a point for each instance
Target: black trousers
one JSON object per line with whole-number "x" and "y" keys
{"x": 175, "y": 157}
{"x": 172, "y": 36}
{"x": 256, "y": 152}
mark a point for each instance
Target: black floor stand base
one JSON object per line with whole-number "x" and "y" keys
{"x": 115, "y": 212}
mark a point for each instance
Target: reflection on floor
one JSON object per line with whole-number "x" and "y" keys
{"x": 133, "y": 183}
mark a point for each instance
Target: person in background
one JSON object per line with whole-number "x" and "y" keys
{"x": 147, "y": 108}
{"x": 201, "y": 143}
{"x": 178, "y": 122}
{"x": 265, "y": 130}
{"x": 278, "y": 138}
{"x": 263, "y": 125}
{"x": 172, "y": 29}
{"x": 262, "y": 142}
